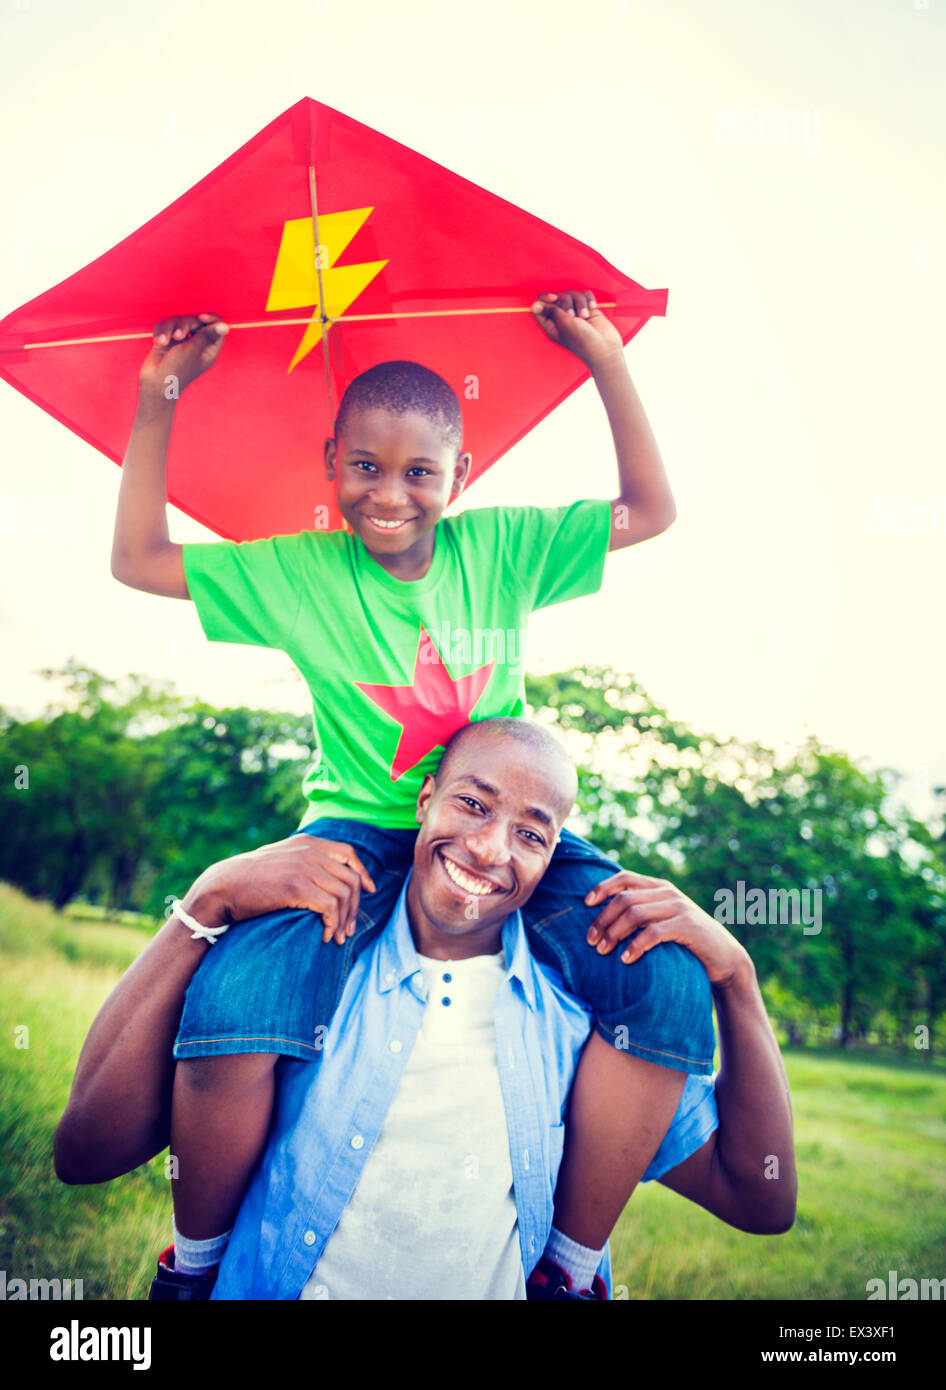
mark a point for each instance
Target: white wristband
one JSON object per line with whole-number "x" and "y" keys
{"x": 197, "y": 931}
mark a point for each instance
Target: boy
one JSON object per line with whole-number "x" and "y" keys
{"x": 360, "y": 616}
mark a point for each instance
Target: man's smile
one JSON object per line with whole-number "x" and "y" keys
{"x": 467, "y": 881}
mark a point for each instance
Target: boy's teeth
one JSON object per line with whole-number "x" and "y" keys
{"x": 388, "y": 525}
{"x": 462, "y": 880}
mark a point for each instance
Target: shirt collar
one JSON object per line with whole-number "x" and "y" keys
{"x": 399, "y": 960}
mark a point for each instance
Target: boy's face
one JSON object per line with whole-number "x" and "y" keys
{"x": 488, "y": 828}
{"x": 394, "y": 475}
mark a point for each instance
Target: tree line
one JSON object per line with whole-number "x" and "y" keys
{"x": 122, "y": 792}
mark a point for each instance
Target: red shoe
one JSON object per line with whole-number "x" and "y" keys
{"x": 549, "y": 1280}
{"x": 168, "y": 1284}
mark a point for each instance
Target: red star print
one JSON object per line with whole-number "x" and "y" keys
{"x": 432, "y": 709}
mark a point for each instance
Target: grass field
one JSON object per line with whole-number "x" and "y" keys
{"x": 870, "y": 1140}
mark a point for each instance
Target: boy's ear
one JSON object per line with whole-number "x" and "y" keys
{"x": 330, "y": 451}
{"x": 461, "y": 471}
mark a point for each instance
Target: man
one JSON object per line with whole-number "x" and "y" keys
{"x": 419, "y": 1158}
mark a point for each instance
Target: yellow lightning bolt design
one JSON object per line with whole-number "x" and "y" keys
{"x": 295, "y": 279}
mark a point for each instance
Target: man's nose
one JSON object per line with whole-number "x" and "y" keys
{"x": 489, "y": 845}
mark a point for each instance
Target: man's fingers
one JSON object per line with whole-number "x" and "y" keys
{"x": 334, "y": 894}
{"x": 345, "y": 854}
{"x": 644, "y": 941}
{"x": 627, "y": 913}
{"x": 625, "y": 878}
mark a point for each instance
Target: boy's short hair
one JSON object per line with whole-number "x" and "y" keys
{"x": 400, "y": 387}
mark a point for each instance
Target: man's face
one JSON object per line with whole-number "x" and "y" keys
{"x": 394, "y": 475}
{"x": 488, "y": 830}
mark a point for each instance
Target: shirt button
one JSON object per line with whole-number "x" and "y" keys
{"x": 358, "y": 1141}
{"x": 447, "y": 979}
{"x": 389, "y": 976}
{"x": 446, "y": 999}
{"x": 309, "y": 1237}
{"x": 395, "y": 1046}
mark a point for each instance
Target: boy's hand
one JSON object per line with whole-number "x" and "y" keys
{"x": 658, "y": 912}
{"x": 183, "y": 347}
{"x": 574, "y": 321}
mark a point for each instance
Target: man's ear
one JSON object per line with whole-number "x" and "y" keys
{"x": 461, "y": 471}
{"x": 330, "y": 452}
{"x": 423, "y": 797}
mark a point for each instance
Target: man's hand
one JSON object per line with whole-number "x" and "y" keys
{"x": 302, "y": 871}
{"x": 657, "y": 911}
{"x": 574, "y": 321}
{"x": 184, "y": 348}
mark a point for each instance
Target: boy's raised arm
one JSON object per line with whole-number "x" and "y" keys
{"x": 645, "y": 505}
{"x": 143, "y": 555}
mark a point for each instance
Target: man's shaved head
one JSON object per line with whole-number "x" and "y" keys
{"x": 545, "y": 747}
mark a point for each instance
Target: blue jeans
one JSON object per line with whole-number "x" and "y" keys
{"x": 272, "y": 985}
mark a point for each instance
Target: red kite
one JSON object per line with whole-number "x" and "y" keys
{"x": 327, "y": 247}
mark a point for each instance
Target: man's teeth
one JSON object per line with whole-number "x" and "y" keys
{"x": 387, "y": 525}
{"x": 469, "y": 885}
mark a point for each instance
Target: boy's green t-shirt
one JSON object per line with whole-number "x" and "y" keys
{"x": 395, "y": 667}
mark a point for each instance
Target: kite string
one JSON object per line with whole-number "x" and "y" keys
{"x": 313, "y": 195}
{"x": 290, "y": 323}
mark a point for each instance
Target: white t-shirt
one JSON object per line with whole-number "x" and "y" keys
{"x": 433, "y": 1215}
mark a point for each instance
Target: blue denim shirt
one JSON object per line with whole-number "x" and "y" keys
{"x": 328, "y": 1116}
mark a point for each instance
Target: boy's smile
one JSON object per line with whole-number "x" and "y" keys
{"x": 394, "y": 475}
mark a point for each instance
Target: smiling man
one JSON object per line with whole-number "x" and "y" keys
{"x": 419, "y": 1159}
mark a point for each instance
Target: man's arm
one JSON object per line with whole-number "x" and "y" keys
{"x": 143, "y": 555}
{"x": 745, "y": 1172}
{"x": 645, "y": 505}
{"x": 118, "y": 1113}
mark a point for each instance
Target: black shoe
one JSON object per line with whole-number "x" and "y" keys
{"x": 167, "y": 1283}
{"x": 549, "y": 1280}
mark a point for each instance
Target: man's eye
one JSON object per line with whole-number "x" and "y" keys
{"x": 471, "y": 801}
{"x": 419, "y": 472}
{"x": 537, "y": 838}
{"x": 364, "y": 464}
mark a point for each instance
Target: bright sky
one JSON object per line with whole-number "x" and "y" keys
{"x": 778, "y": 168}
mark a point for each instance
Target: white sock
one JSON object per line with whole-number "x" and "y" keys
{"x": 197, "y": 1256}
{"x": 579, "y": 1262}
